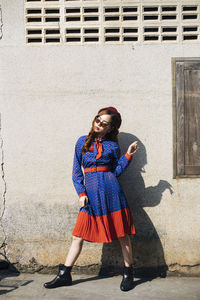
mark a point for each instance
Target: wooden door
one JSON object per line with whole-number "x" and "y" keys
{"x": 186, "y": 117}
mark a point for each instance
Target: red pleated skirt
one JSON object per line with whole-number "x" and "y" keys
{"x": 105, "y": 228}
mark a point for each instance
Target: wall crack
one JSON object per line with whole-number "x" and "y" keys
{"x": 184, "y": 266}
{"x": 3, "y": 197}
{"x": 1, "y": 24}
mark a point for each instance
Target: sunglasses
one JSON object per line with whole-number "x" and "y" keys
{"x": 104, "y": 124}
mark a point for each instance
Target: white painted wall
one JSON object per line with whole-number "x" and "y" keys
{"x": 49, "y": 96}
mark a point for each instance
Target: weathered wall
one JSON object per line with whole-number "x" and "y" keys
{"x": 49, "y": 95}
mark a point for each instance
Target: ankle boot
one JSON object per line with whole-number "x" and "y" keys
{"x": 63, "y": 278}
{"x": 127, "y": 280}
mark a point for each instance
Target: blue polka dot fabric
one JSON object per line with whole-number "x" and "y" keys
{"x": 103, "y": 190}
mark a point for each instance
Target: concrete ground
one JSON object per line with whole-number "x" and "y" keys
{"x": 30, "y": 286}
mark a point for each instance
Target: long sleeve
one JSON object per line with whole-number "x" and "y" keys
{"x": 120, "y": 162}
{"x": 77, "y": 174}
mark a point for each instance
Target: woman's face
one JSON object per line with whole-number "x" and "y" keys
{"x": 102, "y": 125}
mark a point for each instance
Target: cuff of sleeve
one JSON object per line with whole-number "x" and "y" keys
{"x": 82, "y": 194}
{"x": 129, "y": 157}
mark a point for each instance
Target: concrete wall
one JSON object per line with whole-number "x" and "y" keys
{"x": 49, "y": 95}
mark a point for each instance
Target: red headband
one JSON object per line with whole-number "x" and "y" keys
{"x": 115, "y": 112}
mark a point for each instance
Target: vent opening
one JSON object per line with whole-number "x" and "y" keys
{"x": 169, "y": 17}
{"x": 91, "y": 18}
{"x": 72, "y": 10}
{"x": 168, "y": 8}
{"x": 151, "y": 29}
{"x": 189, "y": 8}
{"x": 150, "y": 8}
{"x": 52, "y": 11}
{"x": 91, "y": 10}
{"x": 73, "y": 19}
{"x": 111, "y": 30}
{"x": 52, "y": 40}
{"x": 129, "y": 18}
{"x": 74, "y": 30}
{"x": 73, "y": 39}
{"x": 30, "y": 20}
{"x": 34, "y": 31}
{"x": 169, "y": 38}
{"x": 189, "y": 17}
{"x": 190, "y": 29}
{"x": 130, "y": 9}
{"x": 190, "y": 37}
{"x": 150, "y": 38}
{"x": 34, "y": 40}
{"x": 130, "y": 38}
{"x": 52, "y": 19}
{"x": 91, "y": 30}
{"x": 112, "y": 38}
{"x": 34, "y": 11}
{"x": 91, "y": 39}
{"x": 111, "y": 9}
{"x": 130, "y": 30}
{"x": 112, "y": 18}
{"x": 169, "y": 29}
{"x": 151, "y": 17}
{"x": 52, "y": 31}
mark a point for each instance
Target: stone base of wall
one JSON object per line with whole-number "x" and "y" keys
{"x": 97, "y": 269}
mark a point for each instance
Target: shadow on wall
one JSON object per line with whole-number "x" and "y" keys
{"x": 148, "y": 255}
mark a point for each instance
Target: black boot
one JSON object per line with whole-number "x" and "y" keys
{"x": 127, "y": 280}
{"x": 63, "y": 278}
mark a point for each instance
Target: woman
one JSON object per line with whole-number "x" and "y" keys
{"x": 104, "y": 214}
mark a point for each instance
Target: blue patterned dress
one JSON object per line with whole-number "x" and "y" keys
{"x": 107, "y": 215}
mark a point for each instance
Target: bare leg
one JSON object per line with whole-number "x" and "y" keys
{"x": 127, "y": 280}
{"x": 74, "y": 251}
{"x": 125, "y": 242}
{"x": 64, "y": 275}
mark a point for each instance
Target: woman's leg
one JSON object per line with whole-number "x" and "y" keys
{"x": 74, "y": 251}
{"x": 125, "y": 242}
{"x": 127, "y": 280}
{"x": 64, "y": 273}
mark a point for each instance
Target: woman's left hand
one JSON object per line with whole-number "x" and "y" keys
{"x": 133, "y": 148}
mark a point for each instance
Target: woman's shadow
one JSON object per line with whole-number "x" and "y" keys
{"x": 8, "y": 281}
{"x": 148, "y": 255}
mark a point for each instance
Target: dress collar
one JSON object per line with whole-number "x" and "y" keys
{"x": 100, "y": 139}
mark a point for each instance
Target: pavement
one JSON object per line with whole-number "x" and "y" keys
{"x": 30, "y": 286}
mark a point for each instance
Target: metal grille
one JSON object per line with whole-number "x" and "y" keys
{"x": 111, "y": 21}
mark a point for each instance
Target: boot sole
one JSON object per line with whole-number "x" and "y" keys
{"x": 54, "y": 287}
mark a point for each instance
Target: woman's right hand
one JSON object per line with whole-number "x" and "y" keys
{"x": 83, "y": 201}
{"x": 133, "y": 148}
